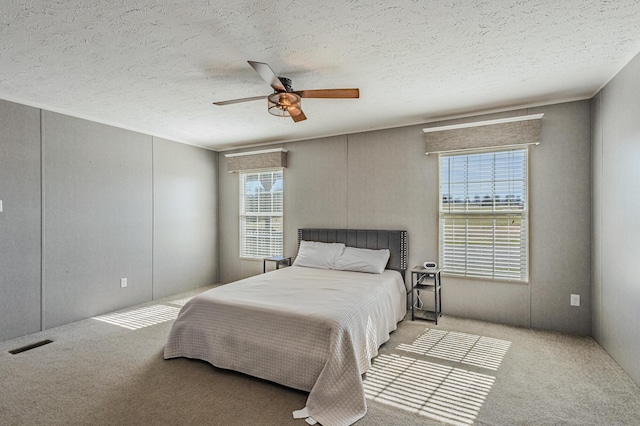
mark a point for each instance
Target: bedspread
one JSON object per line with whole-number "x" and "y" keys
{"x": 309, "y": 329}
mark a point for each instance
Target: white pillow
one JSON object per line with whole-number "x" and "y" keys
{"x": 314, "y": 254}
{"x": 363, "y": 260}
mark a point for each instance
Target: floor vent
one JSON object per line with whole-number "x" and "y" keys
{"x": 31, "y": 346}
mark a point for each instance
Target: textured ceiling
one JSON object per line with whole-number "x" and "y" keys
{"x": 156, "y": 66}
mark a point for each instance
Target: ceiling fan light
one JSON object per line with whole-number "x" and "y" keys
{"x": 279, "y": 104}
{"x": 294, "y": 110}
{"x": 278, "y": 110}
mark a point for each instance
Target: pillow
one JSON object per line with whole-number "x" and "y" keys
{"x": 363, "y": 260}
{"x": 314, "y": 254}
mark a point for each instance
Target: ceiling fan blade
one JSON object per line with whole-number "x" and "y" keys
{"x": 236, "y": 101}
{"x": 296, "y": 114}
{"x": 268, "y": 75}
{"x": 329, "y": 93}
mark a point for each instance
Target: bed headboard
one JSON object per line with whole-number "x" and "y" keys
{"x": 395, "y": 241}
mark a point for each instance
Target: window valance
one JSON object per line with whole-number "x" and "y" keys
{"x": 512, "y": 131}
{"x": 256, "y": 160}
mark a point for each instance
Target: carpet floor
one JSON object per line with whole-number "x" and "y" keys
{"x": 109, "y": 370}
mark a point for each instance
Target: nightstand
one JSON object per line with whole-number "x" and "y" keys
{"x": 426, "y": 280}
{"x": 279, "y": 260}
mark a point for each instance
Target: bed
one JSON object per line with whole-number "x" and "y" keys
{"x": 328, "y": 324}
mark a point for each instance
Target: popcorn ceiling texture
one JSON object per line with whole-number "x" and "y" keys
{"x": 156, "y": 66}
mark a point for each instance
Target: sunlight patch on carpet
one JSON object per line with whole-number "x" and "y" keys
{"x": 479, "y": 351}
{"x": 142, "y": 317}
{"x": 180, "y": 302}
{"x": 447, "y": 394}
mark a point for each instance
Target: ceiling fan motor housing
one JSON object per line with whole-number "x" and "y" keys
{"x": 286, "y": 82}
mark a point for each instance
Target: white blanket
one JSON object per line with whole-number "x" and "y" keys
{"x": 310, "y": 329}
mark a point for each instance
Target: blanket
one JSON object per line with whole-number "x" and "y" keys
{"x": 310, "y": 329}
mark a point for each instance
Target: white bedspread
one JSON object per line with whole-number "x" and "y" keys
{"x": 309, "y": 329}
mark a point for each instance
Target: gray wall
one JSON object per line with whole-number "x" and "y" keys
{"x": 97, "y": 218}
{"x": 185, "y": 223}
{"x": 86, "y": 204}
{"x": 382, "y": 179}
{"x": 20, "y": 237}
{"x": 616, "y": 228}
{"x": 560, "y": 218}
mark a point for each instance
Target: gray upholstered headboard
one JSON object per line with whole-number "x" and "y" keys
{"x": 395, "y": 241}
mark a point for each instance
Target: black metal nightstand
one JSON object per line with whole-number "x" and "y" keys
{"x": 279, "y": 260}
{"x": 426, "y": 279}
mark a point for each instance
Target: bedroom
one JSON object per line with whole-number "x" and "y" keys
{"x": 583, "y": 167}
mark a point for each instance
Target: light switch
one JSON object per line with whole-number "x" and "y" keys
{"x": 0, "y": 206}
{"x": 575, "y": 300}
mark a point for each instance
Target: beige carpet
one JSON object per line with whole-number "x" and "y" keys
{"x": 110, "y": 371}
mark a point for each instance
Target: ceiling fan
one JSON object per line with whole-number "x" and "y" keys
{"x": 284, "y": 101}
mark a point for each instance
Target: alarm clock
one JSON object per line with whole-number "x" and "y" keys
{"x": 430, "y": 264}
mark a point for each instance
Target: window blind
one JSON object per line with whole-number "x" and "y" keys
{"x": 261, "y": 214}
{"x": 483, "y": 214}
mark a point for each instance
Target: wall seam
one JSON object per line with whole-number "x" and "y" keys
{"x": 601, "y": 198}
{"x": 529, "y": 233}
{"x": 347, "y": 176}
{"x": 217, "y": 211}
{"x": 42, "y": 224}
{"x": 153, "y": 222}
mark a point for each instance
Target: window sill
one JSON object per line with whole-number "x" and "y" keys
{"x": 484, "y": 279}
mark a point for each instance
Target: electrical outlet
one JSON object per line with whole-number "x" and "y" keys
{"x": 123, "y": 282}
{"x": 575, "y": 300}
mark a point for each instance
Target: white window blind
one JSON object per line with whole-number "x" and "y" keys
{"x": 261, "y": 227}
{"x": 483, "y": 214}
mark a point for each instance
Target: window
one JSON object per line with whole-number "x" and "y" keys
{"x": 261, "y": 214}
{"x": 483, "y": 214}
